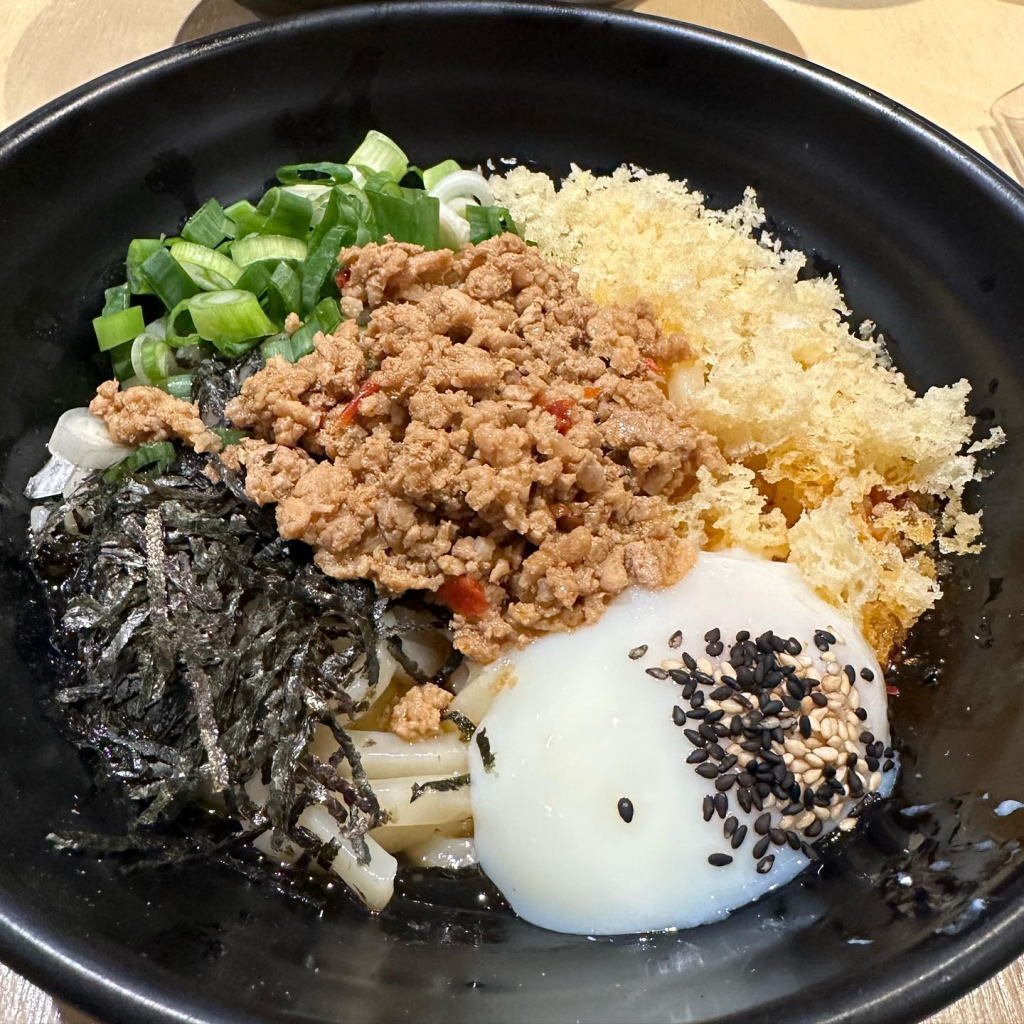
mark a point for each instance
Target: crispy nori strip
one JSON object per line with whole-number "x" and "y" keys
{"x": 438, "y": 786}
{"x": 484, "y": 746}
{"x": 463, "y": 722}
{"x": 199, "y": 651}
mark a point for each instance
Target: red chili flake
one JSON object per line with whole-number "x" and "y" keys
{"x": 561, "y": 409}
{"x": 653, "y": 365}
{"x": 891, "y": 691}
{"x": 367, "y": 388}
{"x": 464, "y": 595}
{"x": 341, "y": 277}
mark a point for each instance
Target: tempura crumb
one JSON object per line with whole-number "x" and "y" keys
{"x": 417, "y": 716}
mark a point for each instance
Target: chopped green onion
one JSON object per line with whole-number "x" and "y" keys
{"x": 334, "y": 174}
{"x": 267, "y": 247}
{"x": 160, "y": 456}
{"x": 139, "y": 250}
{"x": 432, "y": 175}
{"x": 287, "y": 213}
{"x": 488, "y": 221}
{"x": 284, "y": 292}
{"x": 232, "y": 320}
{"x": 168, "y": 278}
{"x": 321, "y": 262}
{"x": 247, "y": 220}
{"x": 121, "y": 361}
{"x": 117, "y": 328}
{"x": 178, "y": 386}
{"x": 327, "y": 315}
{"x": 255, "y": 278}
{"x": 179, "y": 337}
{"x": 278, "y": 345}
{"x": 324, "y": 317}
{"x": 229, "y": 437}
{"x": 211, "y": 271}
{"x": 209, "y": 225}
{"x": 153, "y": 359}
{"x": 382, "y": 155}
{"x": 407, "y": 215}
{"x": 116, "y": 299}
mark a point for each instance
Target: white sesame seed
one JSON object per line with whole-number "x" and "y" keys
{"x": 787, "y": 759}
{"x": 815, "y": 760}
{"x": 827, "y": 754}
{"x": 797, "y": 766}
{"x": 670, "y": 663}
{"x": 822, "y": 813}
{"x": 828, "y": 727}
{"x": 811, "y": 776}
{"x": 805, "y": 661}
{"x": 847, "y": 824}
{"x": 805, "y": 819}
{"x": 853, "y": 698}
{"x": 837, "y": 811}
{"x": 795, "y": 746}
{"x": 703, "y": 665}
{"x": 786, "y": 822}
{"x": 829, "y": 684}
{"x": 731, "y": 707}
{"x": 850, "y": 747}
{"x": 875, "y": 781}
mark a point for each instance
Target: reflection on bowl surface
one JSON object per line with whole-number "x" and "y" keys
{"x": 919, "y": 904}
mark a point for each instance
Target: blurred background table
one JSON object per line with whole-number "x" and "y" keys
{"x": 947, "y": 59}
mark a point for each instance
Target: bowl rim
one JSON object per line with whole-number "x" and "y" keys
{"x": 918, "y": 983}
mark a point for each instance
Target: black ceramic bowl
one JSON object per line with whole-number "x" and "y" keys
{"x": 928, "y": 240}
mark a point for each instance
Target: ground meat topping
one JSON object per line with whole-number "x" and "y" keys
{"x": 417, "y": 716}
{"x": 142, "y": 415}
{"x": 489, "y": 424}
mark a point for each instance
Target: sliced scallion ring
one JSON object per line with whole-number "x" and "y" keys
{"x": 382, "y": 155}
{"x": 117, "y": 328}
{"x": 256, "y": 248}
{"x": 432, "y": 175}
{"x": 463, "y": 183}
{"x": 153, "y": 359}
{"x": 230, "y": 318}
{"x": 210, "y": 270}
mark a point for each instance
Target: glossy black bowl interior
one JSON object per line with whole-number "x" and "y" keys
{"x": 927, "y": 240}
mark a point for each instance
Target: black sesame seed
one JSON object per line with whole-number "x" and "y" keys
{"x": 770, "y": 755}
{"x": 777, "y": 836}
{"x": 819, "y": 699}
{"x": 867, "y": 737}
{"x": 793, "y": 646}
{"x": 808, "y": 797}
{"x": 765, "y": 865}
{"x": 805, "y": 728}
{"x": 656, "y": 672}
{"x": 828, "y": 771}
{"x": 862, "y": 714}
{"x": 773, "y": 707}
{"x": 689, "y": 688}
{"x": 778, "y": 735}
{"x": 736, "y": 726}
{"x": 712, "y": 635}
{"x": 721, "y": 693}
{"x": 791, "y": 702}
{"x": 716, "y": 751}
{"x": 755, "y": 798}
{"x": 745, "y": 779}
{"x": 730, "y": 826}
{"x": 716, "y": 716}
{"x": 698, "y": 713}
{"x": 694, "y": 737}
{"x": 721, "y": 804}
{"x": 703, "y": 678}
{"x": 760, "y": 847}
{"x": 679, "y": 675}
{"x": 689, "y": 661}
{"x": 708, "y": 808}
{"x": 678, "y": 715}
{"x": 763, "y": 823}
{"x": 742, "y": 635}
{"x": 731, "y": 683}
{"x": 810, "y": 852}
{"x": 814, "y": 829}
{"x": 675, "y": 639}
{"x": 793, "y": 808}
{"x": 855, "y": 782}
{"x": 867, "y": 675}
{"x": 697, "y": 756}
{"x": 715, "y": 649}
{"x": 721, "y": 729}
{"x": 751, "y": 746}
{"x": 725, "y": 782}
{"x": 772, "y": 678}
{"x": 638, "y": 652}
{"x": 873, "y": 764}
{"x": 825, "y": 635}
{"x": 889, "y": 765}
{"x": 738, "y": 836}
{"x": 763, "y": 789}
{"x": 875, "y": 749}
{"x": 707, "y": 732}
{"x": 793, "y": 839}
{"x": 787, "y": 781}
{"x": 626, "y": 809}
{"x": 719, "y": 860}
{"x": 729, "y": 762}
{"x": 707, "y": 770}
{"x": 795, "y": 688}
{"x": 851, "y": 760}
{"x": 889, "y": 752}
{"x": 745, "y": 797}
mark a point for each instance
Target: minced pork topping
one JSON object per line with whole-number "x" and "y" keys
{"x": 490, "y": 435}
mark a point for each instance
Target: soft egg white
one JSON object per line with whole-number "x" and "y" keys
{"x": 584, "y": 726}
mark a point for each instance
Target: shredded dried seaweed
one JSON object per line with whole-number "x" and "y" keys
{"x": 484, "y": 746}
{"x": 438, "y": 786}
{"x": 200, "y": 651}
{"x": 462, "y": 722}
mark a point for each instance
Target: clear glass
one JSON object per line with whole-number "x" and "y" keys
{"x": 1008, "y": 114}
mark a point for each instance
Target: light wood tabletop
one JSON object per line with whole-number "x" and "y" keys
{"x": 947, "y": 59}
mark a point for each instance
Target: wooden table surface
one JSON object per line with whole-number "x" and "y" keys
{"x": 947, "y": 59}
